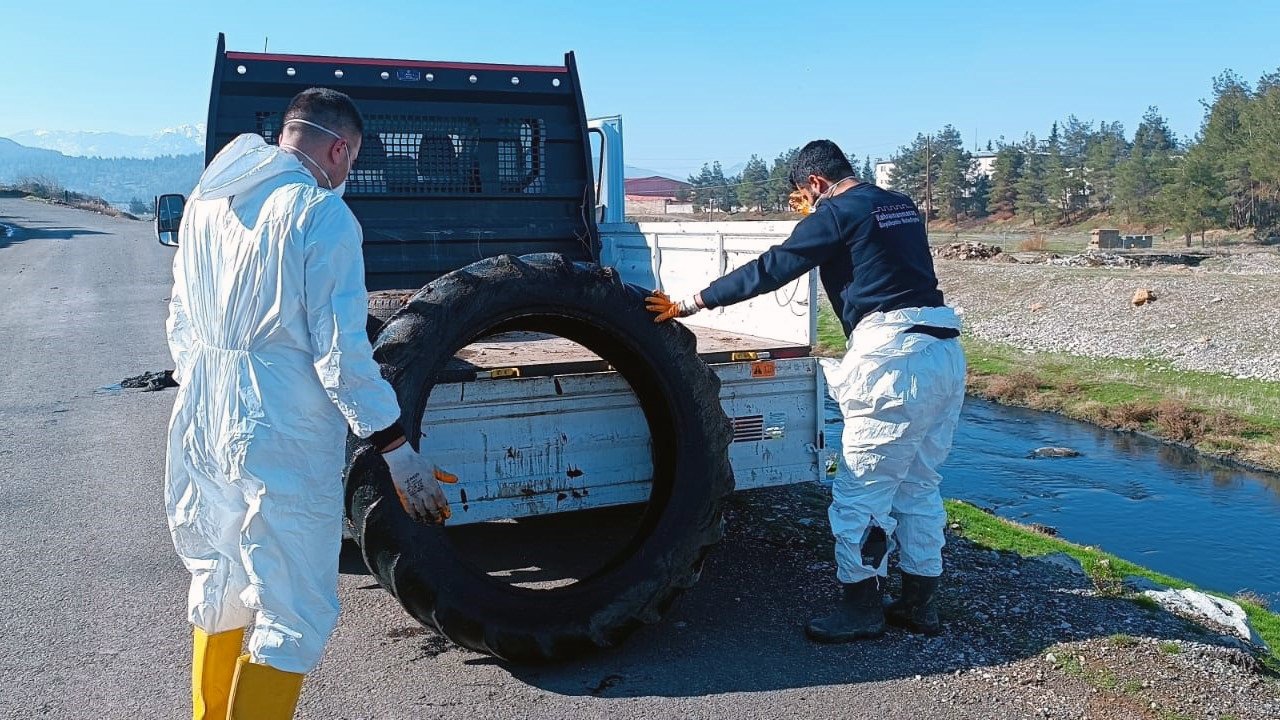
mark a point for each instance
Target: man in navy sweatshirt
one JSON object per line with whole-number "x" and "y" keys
{"x": 899, "y": 386}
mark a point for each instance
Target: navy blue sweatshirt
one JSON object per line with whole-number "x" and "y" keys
{"x": 870, "y": 248}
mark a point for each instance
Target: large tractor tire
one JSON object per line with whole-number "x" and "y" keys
{"x": 690, "y": 434}
{"x": 382, "y": 305}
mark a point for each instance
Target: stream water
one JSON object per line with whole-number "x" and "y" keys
{"x": 1161, "y": 506}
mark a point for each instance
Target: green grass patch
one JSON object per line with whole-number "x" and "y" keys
{"x": 1120, "y": 380}
{"x": 1214, "y": 413}
{"x": 1106, "y": 570}
{"x": 831, "y": 339}
{"x": 1071, "y": 666}
{"x": 1145, "y": 603}
{"x": 1170, "y": 648}
{"x": 1121, "y": 640}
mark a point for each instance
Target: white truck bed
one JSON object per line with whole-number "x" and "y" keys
{"x": 534, "y": 424}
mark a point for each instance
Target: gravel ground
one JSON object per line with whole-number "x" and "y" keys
{"x": 1219, "y": 317}
{"x": 1026, "y": 638}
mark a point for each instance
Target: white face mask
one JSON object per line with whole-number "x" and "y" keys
{"x": 831, "y": 189}
{"x": 341, "y": 187}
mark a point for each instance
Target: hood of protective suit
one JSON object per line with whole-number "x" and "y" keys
{"x": 245, "y": 163}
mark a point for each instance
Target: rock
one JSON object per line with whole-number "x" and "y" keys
{"x": 1143, "y": 296}
{"x": 1043, "y": 529}
{"x": 1092, "y": 258}
{"x": 966, "y": 251}
{"x": 1203, "y": 606}
{"x": 1053, "y": 452}
{"x": 1063, "y": 561}
{"x": 1138, "y": 583}
{"x": 1037, "y": 307}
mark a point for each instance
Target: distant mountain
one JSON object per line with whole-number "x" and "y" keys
{"x": 630, "y": 172}
{"x": 114, "y": 179}
{"x": 182, "y": 140}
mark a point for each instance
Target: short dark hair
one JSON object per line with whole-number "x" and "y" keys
{"x": 822, "y": 158}
{"x": 328, "y": 108}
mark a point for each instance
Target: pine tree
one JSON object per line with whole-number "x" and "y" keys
{"x": 1106, "y": 148}
{"x": 753, "y": 185}
{"x": 699, "y": 194}
{"x": 1140, "y": 176}
{"x": 780, "y": 179}
{"x": 1005, "y": 174}
{"x": 868, "y": 171}
{"x": 1076, "y": 136}
{"x": 979, "y": 198}
{"x": 1260, "y": 149}
{"x": 908, "y": 174}
{"x": 1192, "y": 201}
{"x": 1030, "y": 187}
{"x": 1056, "y": 185}
{"x": 955, "y": 168}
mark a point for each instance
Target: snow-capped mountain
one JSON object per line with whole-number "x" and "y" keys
{"x": 181, "y": 140}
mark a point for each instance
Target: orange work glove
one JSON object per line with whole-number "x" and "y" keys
{"x": 799, "y": 202}
{"x": 666, "y": 308}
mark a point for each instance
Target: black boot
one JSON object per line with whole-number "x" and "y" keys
{"x": 859, "y": 615}
{"x": 917, "y": 609}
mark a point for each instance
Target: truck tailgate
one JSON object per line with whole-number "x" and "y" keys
{"x": 540, "y": 444}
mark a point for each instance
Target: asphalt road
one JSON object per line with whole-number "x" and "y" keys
{"x": 92, "y": 597}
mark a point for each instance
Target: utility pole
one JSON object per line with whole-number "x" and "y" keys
{"x": 928, "y": 180}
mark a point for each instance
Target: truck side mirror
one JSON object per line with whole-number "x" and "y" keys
{"x": 168, "y": 218}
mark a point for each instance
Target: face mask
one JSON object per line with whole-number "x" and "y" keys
{"x": 341, "y": 187}
{"x": 831, "y": 189}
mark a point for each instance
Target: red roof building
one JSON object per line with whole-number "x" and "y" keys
{"x": 656, "y": 187}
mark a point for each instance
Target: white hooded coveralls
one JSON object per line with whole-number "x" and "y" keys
{"x": 900, "y": 394}
{"x": 267, "y": 330}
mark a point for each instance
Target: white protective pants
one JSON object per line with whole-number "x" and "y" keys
{"x": 900, "y": 394}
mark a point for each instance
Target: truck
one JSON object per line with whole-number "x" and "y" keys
{"x": 594, "y": 446}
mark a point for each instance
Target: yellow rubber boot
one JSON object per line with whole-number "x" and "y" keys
{"x": 261, "y": 692}
{"x": 213, "y": 667}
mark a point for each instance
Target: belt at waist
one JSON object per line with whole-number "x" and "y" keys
{"x": 939, "y": 332}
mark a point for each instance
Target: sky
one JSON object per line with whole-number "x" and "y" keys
{"x": 694, "y": 81}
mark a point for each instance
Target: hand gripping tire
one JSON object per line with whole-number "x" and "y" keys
{"x": 690, "y": 435}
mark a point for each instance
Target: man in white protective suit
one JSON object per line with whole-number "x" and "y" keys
{"x": 900, "y": 385}
{"x": 267, "y": 330}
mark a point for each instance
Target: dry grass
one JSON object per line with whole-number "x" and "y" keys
{"x": 1131, "y": 414}
{"x": 1249, "y": 596}
{"x": 1176, "y": 421}
{"x": 1036, "y": 243}
{"x": 56, "y": 194}
{"x": 1088, "y": 390}
{"x": 1017, "y": 388}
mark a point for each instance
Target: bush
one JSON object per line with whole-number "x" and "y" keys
{"x": 1176, "y": 421}
{"x": 1132, "y": 414}
{"x": 1034, "y": 244}
{"x": 1015, "y": 388}
{"x": 1250, "y": 597}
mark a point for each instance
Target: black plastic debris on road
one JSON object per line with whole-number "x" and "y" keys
{"x": 150, "y": 381}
